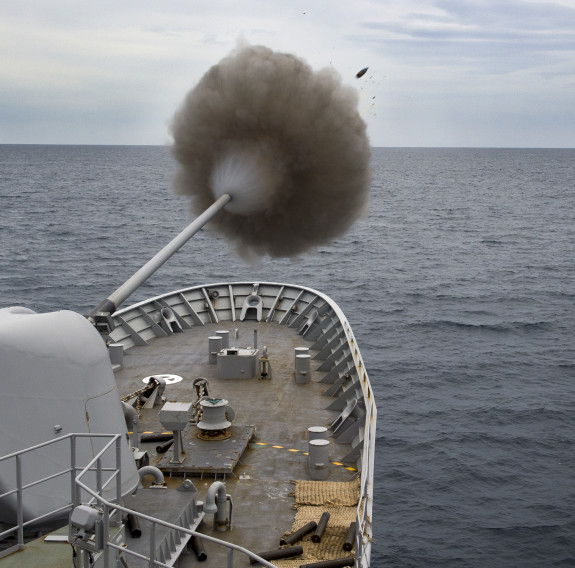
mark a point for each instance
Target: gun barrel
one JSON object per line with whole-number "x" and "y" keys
{"x": 111, "y": 303}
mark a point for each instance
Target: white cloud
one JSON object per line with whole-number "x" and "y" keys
{"x": 115, "y": 72}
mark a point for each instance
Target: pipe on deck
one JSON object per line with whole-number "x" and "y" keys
{"x": 132, "y": 419}
{"x": 151, "y": 470}
{"x": 216, "y": 504}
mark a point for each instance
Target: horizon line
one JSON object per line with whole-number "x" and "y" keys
{"x": 443, "y": 147}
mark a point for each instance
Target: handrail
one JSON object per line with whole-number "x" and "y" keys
{"x": 110, "y": 508}
{"x": 108, "y": 505}
{"x": 21, "y": 487}
{"x": 364, "y": 510}
{"x": 54, "y": 441}
{"x": 48, "y": 478}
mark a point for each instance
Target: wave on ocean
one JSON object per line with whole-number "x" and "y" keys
{"x": 514, "y": 326}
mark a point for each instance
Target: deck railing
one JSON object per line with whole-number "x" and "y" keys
{"x": 21, "y": 487}
{"x": 365, "y": 506}
{"x": 111, "y": 510}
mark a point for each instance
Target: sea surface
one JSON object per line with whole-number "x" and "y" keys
{"x": 460, "y": 287}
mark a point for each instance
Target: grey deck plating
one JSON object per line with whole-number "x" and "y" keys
{"x": 279, "y": 410}
{"x": 213, "y": 457}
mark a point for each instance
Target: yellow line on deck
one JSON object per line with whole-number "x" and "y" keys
{"x": 300, "y": 451}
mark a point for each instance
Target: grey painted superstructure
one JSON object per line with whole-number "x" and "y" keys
{"x": 56, "y": 379}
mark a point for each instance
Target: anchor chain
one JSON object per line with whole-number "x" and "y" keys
{"x": 152, "y": 384}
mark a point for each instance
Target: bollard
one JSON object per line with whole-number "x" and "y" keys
{"x": 316, "y": 433}
{"x": 225, "y": 335}
{"x": 318, "y": 460}
{"x": 300, "y": 351}
{"x": 302, "y": 368}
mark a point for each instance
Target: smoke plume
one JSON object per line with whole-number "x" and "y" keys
{"x": 286, "y": 142}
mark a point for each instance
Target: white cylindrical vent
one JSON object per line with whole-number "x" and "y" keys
{"x": 302, "y": 368}
{"x": 317, "y": 433}
{"x": 215, "y": 346}
{"x": 318, "y": 460}
{"x": 225, "y": 335}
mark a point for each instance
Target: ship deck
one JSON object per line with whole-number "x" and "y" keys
{"x": 264, "y": 460}
{"x": 278, "y": 412}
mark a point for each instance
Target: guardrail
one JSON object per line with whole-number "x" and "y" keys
{"x": 110, "y": 510}
{"x": 365, "y": 507}
{"x": 20, "y": 488}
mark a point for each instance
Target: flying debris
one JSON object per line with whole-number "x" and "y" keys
{"x": 361, "y": 73}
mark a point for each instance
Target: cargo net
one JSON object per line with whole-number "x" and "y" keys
{"x": 312, "y": 499}
{"x": 338, "y": 493}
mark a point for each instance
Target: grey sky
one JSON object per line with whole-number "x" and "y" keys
{"x": 441, "y": 72}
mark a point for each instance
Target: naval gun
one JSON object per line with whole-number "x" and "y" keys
{"x": 101, "y": 315}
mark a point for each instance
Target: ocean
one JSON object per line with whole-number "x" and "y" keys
{"x": 459, "y": 285}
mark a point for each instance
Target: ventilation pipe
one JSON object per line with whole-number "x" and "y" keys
{"x": 151, "y": 470}
{"x": 216, "y": 504}
{"x": 132, "y": 422}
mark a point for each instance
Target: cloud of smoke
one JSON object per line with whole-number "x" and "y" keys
{"x": 286, "y": 142}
